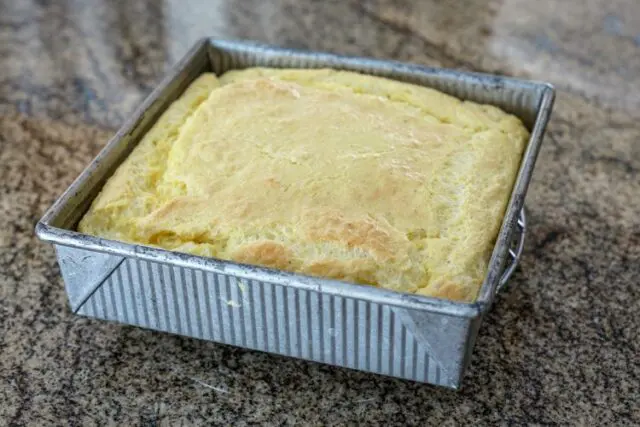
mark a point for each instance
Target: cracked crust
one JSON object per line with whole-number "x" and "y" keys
{"x": 322, "y": 172}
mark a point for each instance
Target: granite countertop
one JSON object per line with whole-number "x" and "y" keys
{"x": 562, "y": 343}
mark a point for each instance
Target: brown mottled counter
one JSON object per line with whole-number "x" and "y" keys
{"x": 561, "y": 345}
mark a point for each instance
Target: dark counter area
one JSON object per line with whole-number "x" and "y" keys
{"x": 560, "y": 346}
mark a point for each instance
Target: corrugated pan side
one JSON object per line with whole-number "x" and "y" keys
{"x": 259, "y": 315}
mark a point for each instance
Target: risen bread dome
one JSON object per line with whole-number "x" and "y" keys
{"x": 322, "y": 172}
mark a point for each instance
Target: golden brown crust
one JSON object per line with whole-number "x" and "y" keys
{"x": 355, "y": 270}
{"x": 268, "y": 253}
{"x": 362, "y": 233}
{"x": 322, "y": 172}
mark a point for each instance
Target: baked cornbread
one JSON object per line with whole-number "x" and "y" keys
{"x": 322, "y": 172}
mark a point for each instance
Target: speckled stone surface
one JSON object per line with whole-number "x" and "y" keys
{"x": 562, "y": 344}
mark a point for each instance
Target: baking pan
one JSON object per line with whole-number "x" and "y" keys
{"x": 355, "y": 326}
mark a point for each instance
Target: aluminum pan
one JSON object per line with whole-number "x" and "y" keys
{"x": 101, "y": 276}
{"x": 57, "y": 221}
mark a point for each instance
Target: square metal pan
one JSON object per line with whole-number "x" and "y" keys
{"x": 360, "y": 327}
